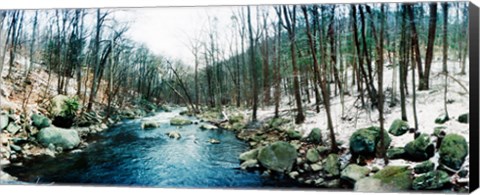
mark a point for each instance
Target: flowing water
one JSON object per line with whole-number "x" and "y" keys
{"x": 127, "y": 155}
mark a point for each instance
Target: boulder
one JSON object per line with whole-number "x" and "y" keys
{"x": 40, "y": 121}
{"x": 214, "y": 141}
{"x": 13, "y": 128}
{"x": 3, "y": 121}
{"x": 398, "y": 177}
{"x": 463, "y": 118}
{"x": 424, "y": 167}
{"x": 174, "y": 135}
{"x": 248, "y": 155}
{"x": 332, "y": 165}
{"x": 398, "y": 127}
{"x": 180, "y": 121}
{"x": 395, "y": 153}
{"x": 432, "y": 180}
{"x": 149, "y": 124}
{"x": 275, "y": 123}
{"x": 252, "y": 163}
{"x": 366, "y": 141}
{"x": 312, "y": 155}
{"x": 420, "y": 149}
{"x": 63, "y": 138}
{"x": 370, "y": 184}
{"x": 453, "y": 150}
{"x": 316, "y": 167}
{"x": 353, "y": 173}
{"x": 278, "y": 156}
{"x": 442, "y": 119}
{"x": 293, "y": 134}
{"x": 208, "y": 127}
{"x": 315, "y": 136}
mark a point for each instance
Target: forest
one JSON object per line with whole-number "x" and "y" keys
{"x": 370, "y": 97}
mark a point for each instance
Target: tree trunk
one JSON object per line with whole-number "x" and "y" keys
{"x": 252, "y": 66}
{"x": 425, "y": 83}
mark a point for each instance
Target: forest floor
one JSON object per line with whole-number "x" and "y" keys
{"x": 349, "y": 118}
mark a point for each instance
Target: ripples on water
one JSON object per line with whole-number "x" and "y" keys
{"x": 128, "y": 155}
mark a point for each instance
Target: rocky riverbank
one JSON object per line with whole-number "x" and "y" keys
{"x": 434, "y": 161}
{"x": 58, "y": 126}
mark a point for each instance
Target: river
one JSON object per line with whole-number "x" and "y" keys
{"x": 126, "y": 155}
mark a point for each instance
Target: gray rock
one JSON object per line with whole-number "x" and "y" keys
{"x": 63, "y": 138}
{"x": 13, "y": 128}
{"x": 15, "y": 148}
{"x": 278, "y": 156}
{"x": 208, "y": 127}
{"x": 149, "y": 124}
{"x": 214, "y": 141}
{"x": 316, "y": 167}
{"x": 332, "y": 165}
{"x": 3, "y": 121}
{"x": 174, "y": 135}
{"x": 252, "y": 163}
{"x": 293, "y": 174}
{"x": 354, "y": 173}
{"x": 249, "y": 155}
{"x": 312, "y": 155}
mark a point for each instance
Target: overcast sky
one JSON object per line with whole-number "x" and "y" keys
{"x": 167, "y": 31}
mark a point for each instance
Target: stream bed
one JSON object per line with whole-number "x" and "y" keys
{"x": 126, "y": 155}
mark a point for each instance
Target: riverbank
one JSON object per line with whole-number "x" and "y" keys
{"x": 419, "y": 157}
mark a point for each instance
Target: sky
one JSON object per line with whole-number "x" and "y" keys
{"x": 167, "y": 31}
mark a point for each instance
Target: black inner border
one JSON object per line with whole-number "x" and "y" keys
{"x": 474, "y": 95}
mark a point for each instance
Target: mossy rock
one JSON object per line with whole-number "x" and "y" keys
{"x": 315, "y": 136}
{"x": 353, "y": 173}
{"x": 453, "y": 150}
{"x": 398, "y": 127}
{"x": 463, "y": 118}
{"x": 293, "y": 134}
{"x": 432, "y": 180}
{"x": 424, "y": 167}
{"x": 275, "y": 123}
{"x": 420, "y": 149}
{"x": 249, "y": 155}
{"x": 366, "y": 141}
{"x": 278, "y": 156}
{"x": 332, "y": 165}
{"x": 238, "y": 118}
{"x": 312, "y": 155}
{"x": 442, "y": 119}
{"x": 179, "y": 121}
{"x": 398, "y": 176}
{"x": 395, "y": 153}
{"x": 40, "y": 121}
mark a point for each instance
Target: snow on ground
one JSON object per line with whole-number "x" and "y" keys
{"x": 430, "y": 104}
